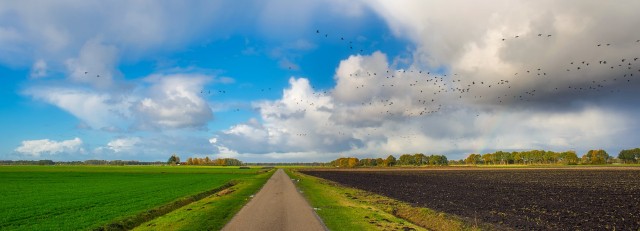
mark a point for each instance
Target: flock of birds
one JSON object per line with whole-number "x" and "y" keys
{"x": 427, "y": 88}
{"x": 406, "y": 93}
{"x": 417, "y": 93}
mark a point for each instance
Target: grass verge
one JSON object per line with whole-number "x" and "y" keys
{"x": 344, "y": 208}
{"x": 133, "y": 221}
{"x": 212, "y": 212}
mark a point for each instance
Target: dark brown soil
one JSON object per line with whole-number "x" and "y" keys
{"x": 524, "y": 199}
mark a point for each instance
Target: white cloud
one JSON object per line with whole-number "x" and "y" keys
{"x": 8, "y": 35}
{"x": 154, "y": 146}
{"x": 174, "y": 101}
{"x": 298, "y": 122}
{"x": 94, "y": 65}
{"x": 371, "y": 115}
{"x": 467, "y": 39}
{"x": 35, "y": 148}
{"x": 123, "y": 144}
{"x": 161, "y": 102}
{"x": 98, "y": 110}
{"x": 275, "y": 16}
{"x": 57, "y": 30}
{"x": 39, "y": 69}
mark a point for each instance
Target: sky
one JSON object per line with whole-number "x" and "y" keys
{"x": 303, "y": 81}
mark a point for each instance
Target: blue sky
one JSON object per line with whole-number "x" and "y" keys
{"x": 311, "y": 81}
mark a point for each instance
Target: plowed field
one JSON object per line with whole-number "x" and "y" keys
{"x": 523, "y": 199}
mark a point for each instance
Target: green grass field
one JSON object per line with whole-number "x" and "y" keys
{"x": 87, "y": 197}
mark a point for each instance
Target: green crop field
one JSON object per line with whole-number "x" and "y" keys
{"x": 87, "y": 197}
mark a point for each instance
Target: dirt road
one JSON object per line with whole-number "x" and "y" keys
{"x": 278, "y": 206}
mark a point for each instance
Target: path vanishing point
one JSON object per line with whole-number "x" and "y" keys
{"x": 277, "y": 206}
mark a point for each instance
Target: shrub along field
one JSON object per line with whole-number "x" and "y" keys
{"x": 523, "y": 199}
{"x": 89, "y": 197}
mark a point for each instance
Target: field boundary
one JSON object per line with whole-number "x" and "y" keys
{"x": 554, "y": 199}
{"x": 131, "y": 222}
{"x": 478, "y": 168}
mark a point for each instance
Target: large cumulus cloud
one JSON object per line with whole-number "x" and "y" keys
{"x": 542, "y": 48}
{"x": 299, "y": 122}
{"x": 392, "y": 112}
{"x": 174, "y": 102}
{"x": 162, "y": 101}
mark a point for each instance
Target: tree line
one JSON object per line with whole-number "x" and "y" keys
{"x": 531, "y": 157}
{"x": 86, "y": 162}
{"x": 213, "y": 162}
{"x": 417, "y": 159}
{"x": 630, "y": 156}
{"x": 537, "y": 157}
{"x": 27, "y": 162}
